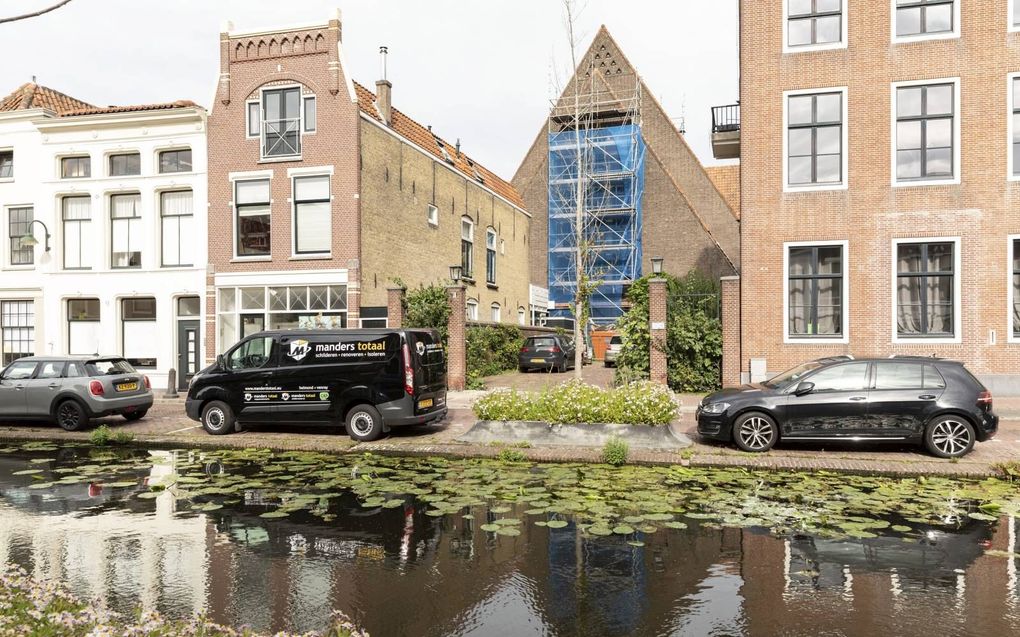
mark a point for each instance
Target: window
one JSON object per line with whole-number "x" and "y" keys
{"x": 309, "y": 114}
{"x": 815, "y": 291}
{"x": 924, "y": 132}
{"x": 374, "y": 316}
{"x": 522, "y": 316}
{"x": 925, "y": 294}
{"x": 895, "y": 375}
{"x": 19, "y": 225}
{"x": 1014, "y": 15}
{"x": 815, "y": 139}
{"x": 1015, "y": 292}
{"x": 17, "y": 327}
{"x": 189, "y": 306}
{"x": 312, "y": 215}
{"x": 21, "y": 371}
{"x": 245, "y": 311}
{"x": 175, "y": 161}
{"x": 177, "y": 227}
{"x": 254, "y": 119}
{"x": 125, "y": 164}
{"x": 6, "y": 164}
{"x": 126, "y": 226}
{"x": 76, "y": 216}
{"x": 281, "y": 122}
{"x": 254, "y": 354}
{"x": 496, "y": 315}
{"x": 138, "y": 330}
{"x": 471, "y": 310}
{"x": 253, "y": 223}
{"x": 814, "y": 22}
{"x": 848, "y": 377}
{"x": 51, "y": 369}
{"x": 432, "y": 214}
{"x": 923, "y": 17}
{"x": 1015, "y": 125}
{"x": 75, "y": 167}
{"x": 83, "y": 333}
{"x": 490, "y": 256}
{"x": 467, "y": 247}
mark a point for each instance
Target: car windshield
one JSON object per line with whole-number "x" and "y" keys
{"x": 791, "y": 376}
{"x": 616, "y": 340}
{"x": 109, "y": 367}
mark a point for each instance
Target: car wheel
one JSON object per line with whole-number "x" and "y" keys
{"x": 755, "y": 432}
{"x": 364, "y": 423}
{"x": 523, "y": 370}
{"x": 71, "y": 416}
{"x": 136, "y": 415}
{"x": 949, "y": 437}
{"x": 218, "y": 418}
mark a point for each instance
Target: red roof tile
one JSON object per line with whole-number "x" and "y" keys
{"x": 31, "y": 95}
{"x": 100, "y": 110}
{"x": 424, "y": 138}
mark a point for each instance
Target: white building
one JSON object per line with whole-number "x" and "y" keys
{"x": 115, "y": 199}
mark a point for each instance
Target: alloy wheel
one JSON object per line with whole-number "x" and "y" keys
{"x": 68, "y": 415}
{"x": 951, "y": 437}
{"x": 756, "y": 433}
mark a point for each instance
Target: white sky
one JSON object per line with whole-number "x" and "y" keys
{"x": 480, "y": 70}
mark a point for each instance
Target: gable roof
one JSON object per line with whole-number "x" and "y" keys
{"x": 422, "y": 137}
{"x": 101, "y": 110}
{"x": 31, "y": 95}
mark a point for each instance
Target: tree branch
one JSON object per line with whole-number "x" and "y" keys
{"x": 35, "y": 14}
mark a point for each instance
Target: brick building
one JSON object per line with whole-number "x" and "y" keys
{"x": 321, "y": 194}
{"x": 647, "y": 193}
{"x": 879, "y": 185}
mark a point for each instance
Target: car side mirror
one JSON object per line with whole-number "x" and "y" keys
{"x": 804, "y": 389}
{"x": 221, "y": 363}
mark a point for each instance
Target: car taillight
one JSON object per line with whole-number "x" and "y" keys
{"x": 524, "y": 349}
{"x": 148, "y": 385}
{"x": 408, "y": 372}
{"x": 985, "y": 399}
{"x": 556, "y": 349}
{"x": 96, "y": 388}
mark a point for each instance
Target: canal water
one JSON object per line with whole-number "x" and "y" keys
{"x": 239, "y": 538}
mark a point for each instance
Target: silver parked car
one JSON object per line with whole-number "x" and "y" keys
{"x": 72, "y": 389}
{"x": 613, "y": 351}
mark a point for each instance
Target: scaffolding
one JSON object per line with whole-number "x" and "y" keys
{"x": 595, "y": 139}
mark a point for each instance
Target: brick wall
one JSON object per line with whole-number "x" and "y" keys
{"x": 730, "y": 311}
{"x": 657, "y": 315}
{"x": 727, "y": 180}
{"x": 456, "y": 364}
{"x": 982, "y": 210}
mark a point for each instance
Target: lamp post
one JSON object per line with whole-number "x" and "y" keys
{"x": 30, "y": 240}
{"x": 657, "y": 265}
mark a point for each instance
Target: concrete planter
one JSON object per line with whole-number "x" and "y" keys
{"x": 542, "y": 434}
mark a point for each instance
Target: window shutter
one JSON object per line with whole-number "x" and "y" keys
{"x": 313, "y": 227}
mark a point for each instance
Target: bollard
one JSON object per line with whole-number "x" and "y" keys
{"x": 171, "y": 384}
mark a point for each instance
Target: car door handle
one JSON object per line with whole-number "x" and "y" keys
{"x": 858, "y": 399}
{"x": 927, "y": 396}
{"x": 19, "y": 387}
{"x": 53, "y": 385}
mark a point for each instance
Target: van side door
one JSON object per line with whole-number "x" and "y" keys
{"x": 249, "y": 381}
{"x": 308, "y": 374}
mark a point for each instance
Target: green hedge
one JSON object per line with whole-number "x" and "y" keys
{"x": 574, "y": 402}
{"x": 493, "y": 349}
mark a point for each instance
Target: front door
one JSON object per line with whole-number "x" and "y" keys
{"x": 12, "y": 388}
{"x": 43, "y": 388}
{"x": 188, "y": 349}
{"x": 837, "y": 406}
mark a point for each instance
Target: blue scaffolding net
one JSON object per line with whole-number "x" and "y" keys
{"x": 610, "y": 163}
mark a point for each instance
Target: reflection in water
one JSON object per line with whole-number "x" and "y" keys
{"x": 401, "y": 572}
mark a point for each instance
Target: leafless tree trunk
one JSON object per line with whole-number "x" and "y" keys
{"x": 582, "y": 294}
{"x": 35, "y": 14}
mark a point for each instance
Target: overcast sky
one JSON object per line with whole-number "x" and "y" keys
{"x": 480, "y": 70}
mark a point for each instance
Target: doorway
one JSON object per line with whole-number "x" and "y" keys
{"x": 188, "y": 339}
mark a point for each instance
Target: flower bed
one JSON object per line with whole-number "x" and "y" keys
{"x": 42, "y": 609}
{"x": 574, "y": 402}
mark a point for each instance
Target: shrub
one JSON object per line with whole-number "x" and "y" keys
{"x": 512, "y": 455}
{"x": 640, "y": 403}
{"x": 427, "y": 306}
{"x": 122, "y": 438}
{"x": 493, "y": 349}
{"x": 100, "y": 436}
{"x": 474, "y": 380}
{"x": 693, "y": 334}
{"x": 615, "y": 452}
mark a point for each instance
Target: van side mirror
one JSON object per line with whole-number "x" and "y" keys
{"x": 804, "y": 389}
{"x": 221, "y": 363}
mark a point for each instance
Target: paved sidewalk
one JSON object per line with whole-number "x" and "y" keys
{"x": 594, "y": 374}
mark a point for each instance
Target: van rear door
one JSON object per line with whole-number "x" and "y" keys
{"x": 428, "y": 361}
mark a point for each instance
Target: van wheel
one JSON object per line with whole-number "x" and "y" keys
{"x": 217, "y": 418}
{"x": 364, "y": 423}
{"x": 949, "y": 437}
{"x": 71, "y": 416}
{"x": 755, "y": 432}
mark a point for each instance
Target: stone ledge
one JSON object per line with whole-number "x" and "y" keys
{"x": 541, "y": 434}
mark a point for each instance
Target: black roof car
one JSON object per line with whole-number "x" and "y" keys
{"x": 931, "y": 401}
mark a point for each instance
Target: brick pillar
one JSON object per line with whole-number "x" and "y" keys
{"x": 657, "y": 324}
{"x": 395, "y": 306}
{"x": 730, "y": 310}
{"x": 457, "y": 353}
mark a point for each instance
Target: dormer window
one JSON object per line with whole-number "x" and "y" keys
{"x": 445, "y": 153}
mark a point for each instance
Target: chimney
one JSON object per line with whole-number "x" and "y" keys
{"x": 384, "y": 90}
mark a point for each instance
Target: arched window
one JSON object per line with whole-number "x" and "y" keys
{"x": 467, "y": 247}
{"x": 471, "y": 310}
{"x": 497, "y": 314}
{"x": 490, "y": 256}
{"x": 522, "y": 316}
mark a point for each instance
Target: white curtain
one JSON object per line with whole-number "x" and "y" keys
{"x": 127, "y": 235}
{"x": 313, "y": 212}
{"x": 84, "y": 338}
{"x": 77, "y": 213}
{"x": 140, "y": 339}
{"x": 178, "y": 224}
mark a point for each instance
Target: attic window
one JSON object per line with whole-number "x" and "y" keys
{"x": 478, "y": 176}
{"x": 442, "y": 149}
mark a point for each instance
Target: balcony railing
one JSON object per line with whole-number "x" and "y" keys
{"x": 281, "y": 137}
{"x": 726, "y": 119}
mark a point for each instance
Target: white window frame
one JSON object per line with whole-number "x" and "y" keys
{"x": 522, "y": 316}
{"x": 304, "y": 104}
{"x": 842, "y": 44}
{"x": 957, "y": 295}
{"x": 1010, "y": 338}
{"x": 471, "y": 309}
{"x": 948, "y": 35}
{"x": 844, "y": 267}
{"x": 162, "y": 228}
{"x": 432, "y": 215}
{"x": 1010, "y": 129}
{"x": 1012, "y": 26}
{"x": 957, "y": 128}
{"x": 247, "y": 118}
{"x": 253, "y": 175}
{"x": 10, "y": 149}
{"x": 844, "y": 151}
{"x": 294, "y": 175}
{"x": 468, "y": 273}
{"x": 496, "y": 313}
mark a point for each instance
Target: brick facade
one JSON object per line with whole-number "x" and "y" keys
{"x": 657, "y": 315}
{"x": 395, "y": 306}
{"x": 730, "y": 318}
{"x": 978, "y": 210}
{"x": 456, "y": 353}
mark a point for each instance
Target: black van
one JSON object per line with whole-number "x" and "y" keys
{"x": 369, "y": 380}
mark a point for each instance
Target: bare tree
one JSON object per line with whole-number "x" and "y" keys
{"x": 35, "y": 14}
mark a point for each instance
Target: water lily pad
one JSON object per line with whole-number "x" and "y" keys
{"x": 600, "y": 530}
{"x": 899, "y": 528}
{"x": 392, "y": 504}
{"x": 636, "y": 543}
{"x": 275, "y": 514}
{"x": 556, "y": 524}
{"x": 623, "y": 529}
{"x": 491, "y": 528}
{"x": 122, "y": 484}
{"x": 27, "y": 472}
{"x": 508, "y": 530}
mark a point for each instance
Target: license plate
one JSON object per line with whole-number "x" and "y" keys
{"x": 127, "y": 386}
{"x": 425, "y": 404}
{"x": 538, "y": 360}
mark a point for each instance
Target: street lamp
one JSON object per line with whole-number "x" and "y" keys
{"x": 657, "y": 265}
{"x": 455, "y": 271}
{"x": 29, "y": 239}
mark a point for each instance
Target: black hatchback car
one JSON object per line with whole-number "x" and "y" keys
{"x": 553, "y": 352}
{"x": 934, "y": 402}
